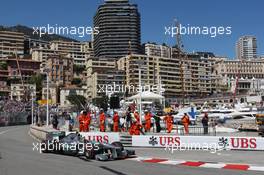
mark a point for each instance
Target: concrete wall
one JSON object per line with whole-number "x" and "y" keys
{"x": 40, "y": 132}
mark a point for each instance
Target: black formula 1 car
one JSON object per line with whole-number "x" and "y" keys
{"x": 76, "y": 145}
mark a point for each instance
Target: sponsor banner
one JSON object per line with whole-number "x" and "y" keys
{"x": 199, "y": 142}
{"x": 106, "y": 137}
{"x": 44, "y": 102}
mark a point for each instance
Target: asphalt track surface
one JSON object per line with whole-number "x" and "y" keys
{"x": 18, "y": 158}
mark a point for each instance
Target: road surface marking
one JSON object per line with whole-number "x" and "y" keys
{"x": 256, "y": 168}
{"x": 213, "y": 165}
{"x": 172, "y": 162}
{"x": 5, "y": 131}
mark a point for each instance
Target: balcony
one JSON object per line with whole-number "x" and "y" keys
{"x": 4, "y": 89}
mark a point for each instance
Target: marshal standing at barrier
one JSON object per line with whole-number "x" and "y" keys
{"x": 102, "y": 121}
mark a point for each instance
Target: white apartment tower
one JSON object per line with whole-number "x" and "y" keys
{"x": 246, "y": 48}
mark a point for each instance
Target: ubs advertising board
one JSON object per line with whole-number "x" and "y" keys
{"x": 199, "y": 142}
{"x": 106, "y": 137}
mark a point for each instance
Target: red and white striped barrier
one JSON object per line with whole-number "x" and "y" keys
{"x": 231, "y": 166}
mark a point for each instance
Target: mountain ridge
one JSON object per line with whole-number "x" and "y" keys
{"x": 29, "y": 32}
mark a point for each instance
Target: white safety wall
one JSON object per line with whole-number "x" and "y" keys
{"x": 199, "y": 142}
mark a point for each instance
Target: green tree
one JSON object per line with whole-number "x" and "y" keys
{"x": 78, "y": 68}
{"x": 3, "y": 65}
{"x": 79, "y": 101}
{"x": 76, "y": 81}
{"x": 37, "y": 79}
{"x": 101, "y": 102}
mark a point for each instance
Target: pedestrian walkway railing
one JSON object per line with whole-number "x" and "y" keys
{"x": 196, "y": 130}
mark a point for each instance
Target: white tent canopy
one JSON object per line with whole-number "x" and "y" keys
{"x": 146, "y": 95}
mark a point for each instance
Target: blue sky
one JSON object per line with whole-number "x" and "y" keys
{"x": 245, "y": 18}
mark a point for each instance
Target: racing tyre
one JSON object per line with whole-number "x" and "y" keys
{"x": 89, "y": 154}
{"x": 101, "y": 157}
{"x": 130, "y": 153}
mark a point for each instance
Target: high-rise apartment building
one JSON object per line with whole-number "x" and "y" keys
{"x": 157, "y": 50}
{"x": 60, "y": 70}
{"x": 31, "y": 43}
{"x": 9, "y": 71}
{"x": 27, "y": 67}
{"x": 21, "y": 91}
{"x": 79, "y": 51}
{"x": 194, "y": 79}
{"x": 243, "y": 74}
{"x": 42, "y": 55}
{"x": 102, "y": 75}
{"x": 119, "y": 29}
{"x": 11, "y": 43}
{"x": 246, "y": 48}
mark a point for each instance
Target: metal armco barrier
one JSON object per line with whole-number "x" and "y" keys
{"x": 195, "y": 130}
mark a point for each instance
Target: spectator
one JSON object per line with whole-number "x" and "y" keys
{"x": 115, "y": 122}
{"x": 186, "y": 121}
{"x": 55, "y": 122}
{"x": 81, "y": 121}
{"x": 122, "y": 123}
{"x": 205, "y": 121}
{"x": 128, "y": 120}
{"x": 147, "y": 121}
{"x": 157, "y": 122}
{"x": 169, "y": 122}
{"x": 71, "y": 123}
{"x": 102, "y": 120}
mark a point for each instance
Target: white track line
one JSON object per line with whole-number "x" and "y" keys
{"x": 5, "y": 131}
